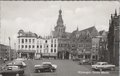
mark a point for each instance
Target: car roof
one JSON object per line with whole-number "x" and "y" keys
{"x": 46, "y": 63}
{"x": 101, "y": 62}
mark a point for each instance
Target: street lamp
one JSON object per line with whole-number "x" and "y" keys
{"x": 9, "y": 48}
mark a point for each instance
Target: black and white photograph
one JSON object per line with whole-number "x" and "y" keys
{"x": 59, "y": 38}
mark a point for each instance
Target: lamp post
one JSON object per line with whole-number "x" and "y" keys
{"x": 9, "y": 49}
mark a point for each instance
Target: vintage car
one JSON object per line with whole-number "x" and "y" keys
{"x": 18, "y": 63}
{"x": 21, "y": 59}
{"x": 85, "y": 62}
{"x": 45, "y": 67}
{"x": 76, "y": 59}
{"x": 103, "y": 66}
{"x": 12, "y": 71}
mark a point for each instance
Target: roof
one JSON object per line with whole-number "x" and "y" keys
{"x": 92, "y": 30}
{"x": 26, "y": 34}
{"x": 89, "y": 29}
{"x": 102, "y": 32}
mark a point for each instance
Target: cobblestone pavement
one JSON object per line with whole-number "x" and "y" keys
{"x": 65, "y": 68}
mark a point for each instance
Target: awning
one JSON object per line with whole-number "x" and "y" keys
{"x": 26, "y": 51}
{"x": 49, "y": 54}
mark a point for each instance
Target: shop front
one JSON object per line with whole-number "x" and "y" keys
{"x": 30, "y": 54}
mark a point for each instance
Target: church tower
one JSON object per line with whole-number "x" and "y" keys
{"x": 60, "y": 28}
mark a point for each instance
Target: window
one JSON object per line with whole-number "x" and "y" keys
{"x": 51, "y": 40}
{"x": 37, "y": 46}
{"x": 55, "y": 40}
{"x": 22, "y": 40}
{"x": 51, "y": 45}
{"x": 33, "y": 46}
{"x": 40, "y": 46}
{"x": 55, "y": 50}
{"x": 55, "y": 45}
{"x": 51, "y": 50}
{"x": 46, "y": 41}
{"x": 19, "y": 41}
{"x": 29, "y": 40}
{"x": 22, "y": 46}
{"x": 18, "y": 46}
{"x": 26, "y": 40}
{"x": 25, "y": 46}
{"x": 29, "y": 46}
{"x": 33, "y": 40}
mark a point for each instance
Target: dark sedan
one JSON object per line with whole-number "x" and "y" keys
{"x": 12, "y": 71}
{"x": 45, "y": 67}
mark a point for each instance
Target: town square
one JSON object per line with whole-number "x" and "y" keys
{"x": 57, "y": 38}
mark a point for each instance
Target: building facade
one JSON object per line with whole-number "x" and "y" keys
{"x": 81, "y": 42}
{"x": 30, "y": 45}
{"x": 113, "y": 38}
{"x": 4, "y": 51}
{"x": 63, "y": 38}
{"x": 103, "y": 49}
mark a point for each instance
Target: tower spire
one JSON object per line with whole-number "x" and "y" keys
{"x": 60, "y": 20}
{"x": 77, "y": 28}
{"x": 115, "y": 12}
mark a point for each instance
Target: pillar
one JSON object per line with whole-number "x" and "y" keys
{"x": 83, "y": 56}
{"x": 19, "y": 54}
{"x": 69, "y": 56}
{"x": 27, "y": 55}
{"x": 62, "y": 55}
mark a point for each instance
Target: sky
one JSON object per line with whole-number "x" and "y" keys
{"x": 41, "y": 16}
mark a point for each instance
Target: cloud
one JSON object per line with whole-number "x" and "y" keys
{"x": 83, "y": 10}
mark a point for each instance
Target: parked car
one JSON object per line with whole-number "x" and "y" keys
{"x": 103, "y": 66}
{"x": 76, "y": 59}
{"x": 18, "y": 63}
{"x": 12, "y": 71}
{"x": 85, "y": 62}
{"x": 45, "y": 67}
{"x": 21, "y": 59}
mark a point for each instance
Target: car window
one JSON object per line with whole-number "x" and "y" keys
{"x": 46, "y": 64}
{"x": 98, "y": 64}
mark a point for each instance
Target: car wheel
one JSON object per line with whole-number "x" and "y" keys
{"x": 112, "y": 69}
{"x": 51, "y": 70}
{"x": 39, "y": 71}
